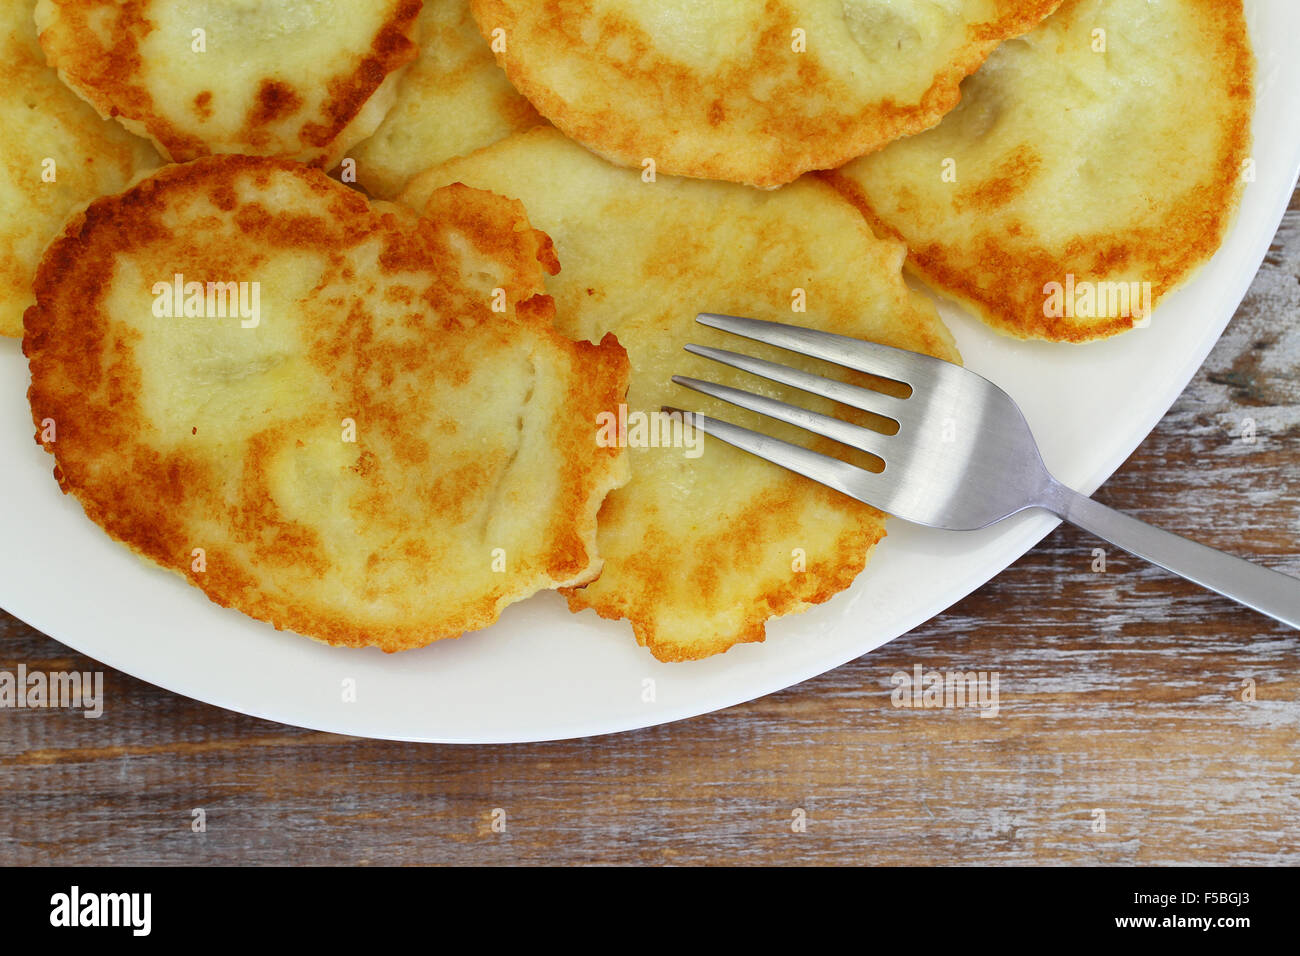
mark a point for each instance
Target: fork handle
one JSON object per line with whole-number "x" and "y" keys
{"x": 1269, "y": 592}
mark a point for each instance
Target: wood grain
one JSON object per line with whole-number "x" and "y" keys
{"x": 1120, "y": 691}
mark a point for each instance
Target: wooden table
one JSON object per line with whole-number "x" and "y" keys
{"x": 1121, "y": 692}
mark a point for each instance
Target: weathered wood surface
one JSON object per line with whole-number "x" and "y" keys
{"x": 1120, "y": 691}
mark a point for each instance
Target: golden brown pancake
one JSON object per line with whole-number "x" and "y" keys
{"x": 701, "y": 549}
{"x": 753, "y": 91}
{"x": 1092, "y": 166}
{"x": 452, "y": 100}
{"x": 373, "y": 435}
{"x": 57, "y": 156}
{"x": 305, "y": 79}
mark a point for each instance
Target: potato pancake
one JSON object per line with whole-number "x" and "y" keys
{"x": 452, "y": 100}
{"x": 303, "y": 79}
{"x": 706, "y": 543}
{"x": 340, "y": 417}
{"x": 58, "y": 155}
{"x": 749, "y": 91}
{"x": 1092, "y": 166}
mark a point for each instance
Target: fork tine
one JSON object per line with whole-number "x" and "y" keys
{"x": 847, "y": 433}
{"x": 863, "y": 398}
{"x": 870, "y": 357}
{"x": 831, "y": 472}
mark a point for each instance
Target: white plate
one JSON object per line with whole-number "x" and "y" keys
{"x": 542, "y": 673}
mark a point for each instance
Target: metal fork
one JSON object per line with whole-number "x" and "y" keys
{"x": 962, "y": 459}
